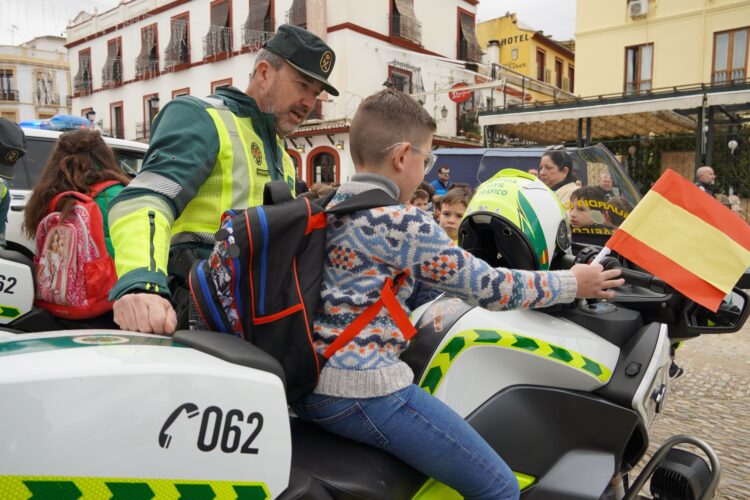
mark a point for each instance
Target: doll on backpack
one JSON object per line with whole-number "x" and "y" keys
{"x": 80, "y": 162}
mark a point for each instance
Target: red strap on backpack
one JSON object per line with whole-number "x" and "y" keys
{"x": 94, "y": 190}
{"x": 387, "y": 299}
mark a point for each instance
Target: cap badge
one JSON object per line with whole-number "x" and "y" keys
{"x": 11, "y": 156}
{"x": 325, "y": 61}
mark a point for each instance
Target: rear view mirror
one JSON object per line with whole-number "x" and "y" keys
{"x": 729, "y": 318}
{"x": 744, "y": 281}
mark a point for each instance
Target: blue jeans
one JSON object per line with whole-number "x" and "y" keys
{"x": 423, "y": 432}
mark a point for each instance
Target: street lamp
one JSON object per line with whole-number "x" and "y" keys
{"x": 443, "y": 113}
{"x": 91, "y": 115}
{"x": 154, "y": 102}
{"x": 732, "y": 145}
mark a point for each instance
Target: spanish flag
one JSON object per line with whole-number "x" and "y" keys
{"x": 687, "y": 238}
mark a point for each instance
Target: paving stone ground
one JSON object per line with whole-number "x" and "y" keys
{"x": 712, "y": 402}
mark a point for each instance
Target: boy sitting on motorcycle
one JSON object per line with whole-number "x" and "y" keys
{"x": 365, "y": 392}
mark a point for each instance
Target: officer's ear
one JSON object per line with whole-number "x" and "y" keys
{"x": 263, "y": 73}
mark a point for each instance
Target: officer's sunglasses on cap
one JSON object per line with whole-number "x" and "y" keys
{"x": 429, "y": 157}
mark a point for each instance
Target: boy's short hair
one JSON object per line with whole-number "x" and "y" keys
{"x": 384, "y": 119}
{"x": 419, "y": 194}
{"x": 461, "y": 185}
{"x": 456, "y": 195}
{"x": 429, "y": 188}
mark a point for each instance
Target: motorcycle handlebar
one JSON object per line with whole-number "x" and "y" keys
{"x": 631, "y": 277}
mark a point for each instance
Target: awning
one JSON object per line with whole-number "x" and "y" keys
{"x": 144, "y": 63}
{"x": 257, "y": 16}
{"x": 298, "y": 13}
{"x": 473, "y": 51}
{"x": 662, "y": 112}
{"x": 594, "y": 110}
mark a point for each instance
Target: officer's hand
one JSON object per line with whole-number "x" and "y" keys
{"x": 145, "y": 312}
{"x": 593, "y": 281}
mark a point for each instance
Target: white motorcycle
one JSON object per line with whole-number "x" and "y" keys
{"x": 565, "y": 395}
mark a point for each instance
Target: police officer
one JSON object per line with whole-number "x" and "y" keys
{"x": 207, "y": 156}
{"x": 12, "y": 147}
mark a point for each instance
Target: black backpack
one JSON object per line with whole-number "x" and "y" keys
{"x": 262, "y": 280}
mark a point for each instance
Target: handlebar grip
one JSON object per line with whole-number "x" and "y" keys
{"x": 645, "y": 280}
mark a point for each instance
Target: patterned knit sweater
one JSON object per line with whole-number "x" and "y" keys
{"x": 365, "y": 248}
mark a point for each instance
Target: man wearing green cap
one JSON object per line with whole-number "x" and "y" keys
{"x": 12, "y": 147}
{"x": 207, "y": 156}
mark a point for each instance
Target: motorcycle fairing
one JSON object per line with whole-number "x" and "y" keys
{"x": 110, "y": 409}
{"x": 553, "y": 434}
{"x": 509, "y": 348}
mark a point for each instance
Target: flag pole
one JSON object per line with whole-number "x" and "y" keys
{"x": 600, "y": 256}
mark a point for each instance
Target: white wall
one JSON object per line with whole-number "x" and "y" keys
{"x": 361, "y": 60}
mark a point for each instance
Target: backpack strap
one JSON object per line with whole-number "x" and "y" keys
{"x": 276, "y": 192}
{"x": 97, "y": 188}
{"x": 73, "y": 194}
{"x": 387, "y": 299}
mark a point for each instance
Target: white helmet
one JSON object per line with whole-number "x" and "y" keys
{"x": 515, "y": 221}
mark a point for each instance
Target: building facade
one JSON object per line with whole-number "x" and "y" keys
{"x": 129, "y": 61}
{"x": 636, "y": 46}
{"x": 35, "y": 79}
{"x": 530, "y": 53}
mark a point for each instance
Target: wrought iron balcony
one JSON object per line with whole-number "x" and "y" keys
{"x": 218, "y": 41}
{"x": 83, "y": 85}
{"x": 9, "y": 95}
{"x": 112, "y": 71}
{"x": 254, "y": 39}
{"x": 142, "y": 130}
{"x": 146, "y": 67}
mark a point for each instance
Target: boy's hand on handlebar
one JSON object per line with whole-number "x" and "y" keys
{"x": 594, "y": 282}
{"x": 145, "y": 312}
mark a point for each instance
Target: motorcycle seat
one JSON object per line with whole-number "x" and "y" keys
{"x": 349, "y": 470}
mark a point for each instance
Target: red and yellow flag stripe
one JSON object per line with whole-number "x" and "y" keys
{"x": 687, "y": 238}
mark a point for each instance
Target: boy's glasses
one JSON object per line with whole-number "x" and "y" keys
{"x": 429, "y": 157}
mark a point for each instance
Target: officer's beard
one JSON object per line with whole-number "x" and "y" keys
{"x": 287, "y": 119}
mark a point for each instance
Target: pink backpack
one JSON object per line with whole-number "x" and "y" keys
{"x": 74, "y": 271}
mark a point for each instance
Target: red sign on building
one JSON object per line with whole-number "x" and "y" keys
{"x": 459, "y": 95}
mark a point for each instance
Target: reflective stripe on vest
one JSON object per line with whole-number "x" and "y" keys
{"x": 236, "y": 180}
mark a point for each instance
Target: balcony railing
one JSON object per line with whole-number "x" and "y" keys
{"x": 726, "y": 77}
{"x": 83, "y": 85}
{"x": 406, "y": 27}
{"x": 116, "y": 132}
{"x": 9, "y": 95}
{"x": 142, "y": 130}
{"x": 112, "y": 71}
{"x": 254, "y": 39}
{"x": 640, "y": 87}
{"x": 146, "y": 67}
{"x": 218, "y": 41}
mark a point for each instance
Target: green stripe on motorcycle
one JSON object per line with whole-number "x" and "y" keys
{"x": 435, "y": 490}
{"x": 73, "y": 488}
{"x": 461, "y": 341}
{"x": 28, "y": 346}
